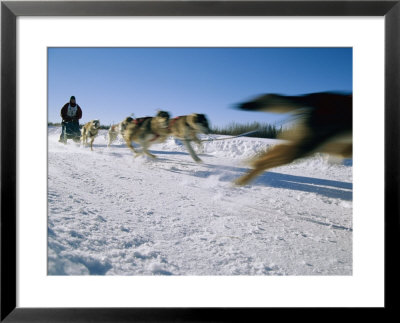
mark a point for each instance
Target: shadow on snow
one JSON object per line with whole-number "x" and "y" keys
{"x": 328, "y": 188}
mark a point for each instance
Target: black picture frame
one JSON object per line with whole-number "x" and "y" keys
{"x": 10, "y": 10}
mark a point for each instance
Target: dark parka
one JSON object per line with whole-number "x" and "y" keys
{"x": 66, "y": 117}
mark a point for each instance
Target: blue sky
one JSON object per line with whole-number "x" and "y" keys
{"x": 112, "y": 83}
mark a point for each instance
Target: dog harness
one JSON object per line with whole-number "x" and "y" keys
{"x": 139, "y": 121}
{"x": 172, "y": 122}
{"x": 90, "y": 133}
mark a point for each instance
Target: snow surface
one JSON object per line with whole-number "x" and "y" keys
{"x": 112, "y": 214}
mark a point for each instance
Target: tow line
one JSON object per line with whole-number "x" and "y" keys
{"x": 241, "y": 135}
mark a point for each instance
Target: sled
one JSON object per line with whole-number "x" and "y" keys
{"x": 70, "y": 130}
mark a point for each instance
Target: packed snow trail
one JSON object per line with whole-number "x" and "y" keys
{"x": 112, "y": 214}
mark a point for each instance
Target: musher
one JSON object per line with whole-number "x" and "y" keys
{"x": 71, "y": 112}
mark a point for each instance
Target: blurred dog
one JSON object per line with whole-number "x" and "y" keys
{"x": 147, "y": 131}
{"x": 186, "y": 128}
{"x": 90, "y": 131}
{"x": 324, "y": 125}
{"x": 117, "y": 129}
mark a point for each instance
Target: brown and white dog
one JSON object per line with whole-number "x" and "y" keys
{"x": 324, "y": 125}
{"x": 118, "y": 129}
{"x": 90, "y": 131}
{"x": 147, "y": 131}
{"x": 186, "y": 128}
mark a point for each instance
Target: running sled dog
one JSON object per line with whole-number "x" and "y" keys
{"x": 90, "y": 131}
{"x": 117, "y": 129}
{"x": 186, "y": 128}
{"x": 324, "y": 124}
{"x": 147, "y": 131}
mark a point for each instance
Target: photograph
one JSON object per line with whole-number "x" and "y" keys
{"x": 192, "y": 160}
{"x": 200, "y": 161}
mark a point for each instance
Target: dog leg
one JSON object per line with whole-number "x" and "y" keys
{"x": 91, "y": 144}
{"x": 85, "y": 136}
{"x": 129, "y": 144}
{"x": 111, "y": 138}
{"x": 146, "y": 151}
{"x": 277, "y": 156}
{"x": 149, "y": 154}
{"x": 285, "y": 153}
{"x": 245, "y": 179}
{"x": 199, "y": 144}
{"x": 188, "y": 146}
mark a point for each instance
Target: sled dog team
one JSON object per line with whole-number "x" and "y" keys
{"x": 146, "y": 131}
{"x": 324, "y": 124}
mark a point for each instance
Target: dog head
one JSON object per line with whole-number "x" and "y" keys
{"x": 162, "y": 118}
{"x": 199, "y": 122}
{"x": 124, "y": 123}
{"x": 96, "y": 124}
{"x": 128, "y": 120}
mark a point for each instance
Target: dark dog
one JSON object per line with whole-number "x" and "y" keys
{"x": 324, "y": 125}
{"x": 117, "y": 129}
{"x": 147, "y": 131}
{"x": 186, "y": 129}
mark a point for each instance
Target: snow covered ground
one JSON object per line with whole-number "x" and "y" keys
{"x": 112, "y": 214}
